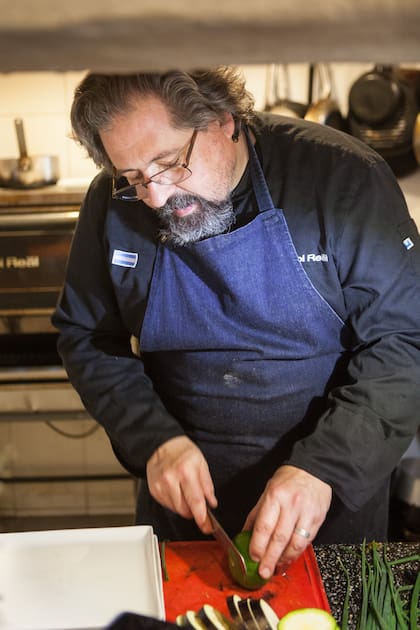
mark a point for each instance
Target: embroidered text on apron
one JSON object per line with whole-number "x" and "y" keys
{"x": 241, "y": 348}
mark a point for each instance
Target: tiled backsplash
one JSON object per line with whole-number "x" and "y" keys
{"x": 43, "y": 101}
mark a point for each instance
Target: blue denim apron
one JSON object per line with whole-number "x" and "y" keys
{"x": 242, "y": 349}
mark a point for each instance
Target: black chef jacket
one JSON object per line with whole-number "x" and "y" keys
{"x": 360, "y": 248}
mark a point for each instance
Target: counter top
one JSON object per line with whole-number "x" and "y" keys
{"x": 335, "y": 581}
{"x": 197, "y": 573}
{"x": 64, "y": 192}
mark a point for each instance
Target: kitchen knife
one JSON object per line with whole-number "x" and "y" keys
{"x": 235, "y": 558}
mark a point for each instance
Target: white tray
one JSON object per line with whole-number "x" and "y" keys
{"x": 78, "y": 578}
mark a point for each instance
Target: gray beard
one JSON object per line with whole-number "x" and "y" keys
{"x": 210, "y": 219}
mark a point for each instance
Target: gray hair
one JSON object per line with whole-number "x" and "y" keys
{"x": 193, "y": 100}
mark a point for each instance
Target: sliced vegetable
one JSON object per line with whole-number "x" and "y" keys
{"x": 193, "y": 620}
{"x": 233, "y": 607}
{"x": 248, "y": 618}
{"x": 213, "y": 619}
{"x": 267, "y": 618}
{"x": 260, "y": 622}
{"x": 308, "y": 619}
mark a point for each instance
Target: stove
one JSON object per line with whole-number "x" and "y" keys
{"x": 51, "y": 450}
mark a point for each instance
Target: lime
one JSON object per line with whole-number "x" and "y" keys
{"x": 251, "y": 580}
{"x": 308, "y": 619}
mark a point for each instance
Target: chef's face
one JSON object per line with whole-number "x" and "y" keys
{"x": 145, "y": 141}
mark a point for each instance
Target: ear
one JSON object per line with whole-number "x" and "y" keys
{"x": 228, "y": 125}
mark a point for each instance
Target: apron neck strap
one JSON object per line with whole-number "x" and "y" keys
{"x": 259, "y": 183}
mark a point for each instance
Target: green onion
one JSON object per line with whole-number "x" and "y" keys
{"x": 163, "y": 560}
{"x": 381, "y": 606}
{"x": 414, "y": 604}
{"x": 345, "y": 614}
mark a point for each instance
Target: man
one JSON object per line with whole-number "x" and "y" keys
{"x": 269, "y": 271}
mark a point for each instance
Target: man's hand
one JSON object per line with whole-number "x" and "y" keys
{"x": 178, "y": 478}
{"x": 293, "y": 501}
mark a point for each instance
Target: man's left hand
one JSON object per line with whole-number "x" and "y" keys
{"x": 287, "y": 518}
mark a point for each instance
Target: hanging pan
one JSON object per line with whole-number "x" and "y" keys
{"x": 277, "y": 84}
{"x": 383, "y": 112}
{"x": 325, "y": 110}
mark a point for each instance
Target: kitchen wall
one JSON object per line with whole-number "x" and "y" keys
{"x": 43, "y": 100}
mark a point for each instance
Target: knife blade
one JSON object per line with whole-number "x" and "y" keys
{"x": 235, "y": 557}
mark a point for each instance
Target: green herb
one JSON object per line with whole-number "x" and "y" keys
{"x": 414, "y": 604}
{"x": 345, "y": 614}
{"x": 163, "y": 560}
{"x": 382, "y": 607}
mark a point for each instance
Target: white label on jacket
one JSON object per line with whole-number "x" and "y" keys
{"x": 313, "y": 258}
{"x": 124, "y": 259}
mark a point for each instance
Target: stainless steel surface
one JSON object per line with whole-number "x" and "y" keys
{"x": 63, "y": 193}
{"x": 34, "y": 245}
{"x": 325, "y": 109}
{"x": 226, "y": 542}
{"x": 55, "y": 460}
{"x": 28, "y": 171}
{"x": 277, "y": 87}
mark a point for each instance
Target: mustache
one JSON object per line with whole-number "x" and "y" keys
{"x": 179, "y": 201}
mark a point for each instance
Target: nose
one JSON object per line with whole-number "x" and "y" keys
{"x": 157, "y": 195}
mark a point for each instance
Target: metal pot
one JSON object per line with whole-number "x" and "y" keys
{"x": 282, "y": 103}
{"x": 325, "y": 109}
{"x": 383, "y": 112}
{"x": 28, "y": 171}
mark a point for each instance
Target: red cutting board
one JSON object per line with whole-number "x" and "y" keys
{"x": 198, "y": 574}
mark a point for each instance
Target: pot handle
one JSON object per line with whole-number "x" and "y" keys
{"x": 24, "y": 160}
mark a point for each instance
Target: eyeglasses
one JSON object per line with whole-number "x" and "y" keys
{"x": 175, "y": 174}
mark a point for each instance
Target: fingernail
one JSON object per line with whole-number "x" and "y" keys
{"x": 265, "y": 573}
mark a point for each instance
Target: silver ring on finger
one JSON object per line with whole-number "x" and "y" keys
{"x": 302, "y": 532}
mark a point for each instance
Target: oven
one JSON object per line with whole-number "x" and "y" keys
{"x": 54, "y": 458}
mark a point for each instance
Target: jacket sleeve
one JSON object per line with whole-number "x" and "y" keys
{"x": 373, "y": 414}
{"x": 94, "y": 344}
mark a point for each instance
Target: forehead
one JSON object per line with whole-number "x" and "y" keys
{"x": 140, "y": 134}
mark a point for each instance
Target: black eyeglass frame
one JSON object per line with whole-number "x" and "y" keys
{"x": 118, "y": 192}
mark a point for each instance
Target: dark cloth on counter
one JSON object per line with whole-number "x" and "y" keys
{"x": 359, "y": 249}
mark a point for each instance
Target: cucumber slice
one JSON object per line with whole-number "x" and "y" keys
{"x": 308, "y": 619}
